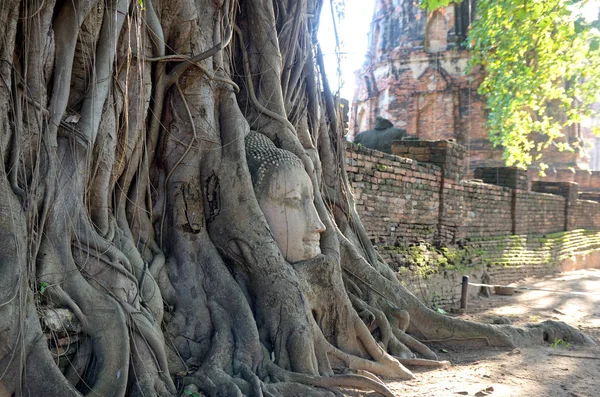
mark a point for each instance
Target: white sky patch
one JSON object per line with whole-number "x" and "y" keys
{"x": 590, "y": 10}
{"x": 353, "y": 33}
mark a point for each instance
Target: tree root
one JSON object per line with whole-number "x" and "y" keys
{"x": 421, "y": 362}
{"x": 91, "y": 112}
{"x": 555, "y": 330}
{"x": 386, "y": 366}
{"x": 387, "y": 337}
{"x": 43, "y": 376}
{"x": 66, "y": 30}
{"x": 77, "y": 366}
{"x": 366, "y": 374}
{"x": 297, "y": 389}
{"x": 139, "y": 152}
{"x": 367, "y": 383}
{"x": 353, "y": 382}
{"x": 414, "y": 344}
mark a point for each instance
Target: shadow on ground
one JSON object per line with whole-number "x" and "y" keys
{"x": 544, "y": 370}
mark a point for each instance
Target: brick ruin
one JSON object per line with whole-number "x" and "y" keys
{"x": 516, "y": 227}
{"x": 420, "y": 194}
{"x": 415, "y": 76}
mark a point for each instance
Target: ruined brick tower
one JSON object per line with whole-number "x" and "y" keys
{"x": 414, "y": 75}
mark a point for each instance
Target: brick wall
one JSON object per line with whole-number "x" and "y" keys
{"x": 511, "y": 177}
{"x": 407, "y": 205}
{"x": 586, "y": 214}
{"x": 487, "y": 210}
{"x": 397, "y": 198}
{"x": 568, "y": 190}
{"x": 588, "y": 181}
{"x": 449, "y": 157}
{"x": 538, "y": 212}
{"x": 401, "y": 200}
{"x": 505, "y": 260}
{"x": 592, "y": 196}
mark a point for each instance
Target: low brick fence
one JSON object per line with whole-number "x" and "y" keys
{"x": 397, "y": 198}
{"x": 423, "y": 197}
{"x": 487, "y": 210}
{"x": 504, "y": 260}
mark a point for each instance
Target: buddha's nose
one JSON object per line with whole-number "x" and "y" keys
{"x": 318, "y": 225}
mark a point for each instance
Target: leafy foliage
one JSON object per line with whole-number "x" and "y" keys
{"x": 43, "y": 286}
{"x": 542, "y": 63}
{"x": 431, "y": 5}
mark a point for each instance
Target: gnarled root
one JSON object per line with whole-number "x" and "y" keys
{"x": 386, "y": 365}
{"x": 430, "y": 326}
{"x": 100, "y": 315}
{"x": 555, "y": 330}
{"x": 337, "y": 381}
{"x": 380, "y": 324}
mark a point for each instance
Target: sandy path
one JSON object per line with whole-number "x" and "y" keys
{"x": 533, "y": 371}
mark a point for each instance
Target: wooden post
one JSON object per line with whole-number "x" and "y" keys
{"x": 464, "y": 295}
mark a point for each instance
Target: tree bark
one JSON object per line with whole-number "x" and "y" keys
{"x": 126, "y": 199}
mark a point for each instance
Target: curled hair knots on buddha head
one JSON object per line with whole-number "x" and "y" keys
{"x": 264, "y": 159}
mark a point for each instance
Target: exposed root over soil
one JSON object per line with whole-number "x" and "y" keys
{"x": 556, "y": 369}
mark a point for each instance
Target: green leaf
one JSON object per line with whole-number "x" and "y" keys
{"x": 43, "y": 286}
{"x": 538, "y": 83}
{"x": 444, "y": 350}
{"x": 432, "y": 5}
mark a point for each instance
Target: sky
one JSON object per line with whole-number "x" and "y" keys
{"x": 353, "y": 33}
{"x": 590, "y": 10}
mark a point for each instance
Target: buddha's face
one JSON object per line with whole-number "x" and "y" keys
{"x": 287, "y": 202}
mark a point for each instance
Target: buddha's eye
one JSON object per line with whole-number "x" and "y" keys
{"x": 292, "y": 199}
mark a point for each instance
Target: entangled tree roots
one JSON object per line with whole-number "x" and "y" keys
{"x": 126, "y": 199}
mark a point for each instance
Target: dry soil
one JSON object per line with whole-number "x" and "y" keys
{"x": 554, "y": 370}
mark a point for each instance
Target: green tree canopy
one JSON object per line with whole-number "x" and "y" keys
{"x": 542, "y": 63}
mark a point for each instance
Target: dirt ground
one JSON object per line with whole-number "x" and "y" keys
{"x": 533, "y": 371}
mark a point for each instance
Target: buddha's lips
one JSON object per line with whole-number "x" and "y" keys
{"x": 312, "y": 240}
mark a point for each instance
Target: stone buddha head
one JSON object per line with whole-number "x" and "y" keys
{"x": 285, "y": 195}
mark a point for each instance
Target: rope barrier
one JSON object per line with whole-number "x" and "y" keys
{"x": 535, "y": 289}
